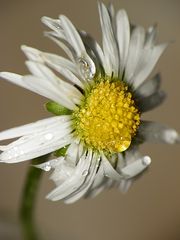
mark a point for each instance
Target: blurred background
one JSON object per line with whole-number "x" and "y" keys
{"x": 151, "y": 209}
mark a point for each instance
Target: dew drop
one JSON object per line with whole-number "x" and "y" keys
{"x": 86, "y": 68}
{"x": 146, "y": 161}
{"x": 47, "y": 167}
{"x": 48, "y": 136}
{"x": 56, "y": 25}
{"x": 15, "y": 152}
{"x": 85, "y": 173}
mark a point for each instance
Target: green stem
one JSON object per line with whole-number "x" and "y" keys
{"x": 29, "y": 196}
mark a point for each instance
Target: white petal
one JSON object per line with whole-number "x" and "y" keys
{"x": 146, "y": 64}
{"x": 125, "y": 185}
{"x": 33, "y": 127}
{"x": 47, "y": 166}
{"x": 132, "y": 155}
{"x": 14, "y": 78}
{"x": 62, "y": 172}
{"x": 109, "y": 42}
{"x": 135, "y": 50}
{"x": 38, "y": 86}
{"x": 123, "y": 37}
{"x": 152, "y": 101}
{"x": 32, "y": 53}
{"x": 135, "y": 168}
{"x": 36, "y": 145}
{"x": 63, "y": 89}
{"x": 149, "y": 87}
{"x": 151, "y": 36}
{"x": 62, "y": 44}
{"x": 99, "y": 177}
{"x": 54, "y": 24}
{"x": 155, "y": 132}
{"x": 42, "y": 87}
{"x": 64, "y": 67}
{"x": 111, "y": 10}
{"x": 87, "y": 184}
{"x": 99, "y": 183}
{"x": 73, "y": 153}
{"x": 75, "y": 181}
{"x": 72, "y": 35}
{"x": 50, "y": 58}
{"x": 95, "y": 47}
{"x": 133, "y": 164}
{"x": 109, "y": 171}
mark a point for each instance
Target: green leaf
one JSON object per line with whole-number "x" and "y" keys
{"x": 61, "y": 152}
{"x": 57, "y": 109}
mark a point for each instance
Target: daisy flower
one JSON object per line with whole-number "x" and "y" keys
{"x": 98, "y": 96}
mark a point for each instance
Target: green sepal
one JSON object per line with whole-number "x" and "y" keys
{"x": 61, "y": 152}
{"x": 57, "y": 109}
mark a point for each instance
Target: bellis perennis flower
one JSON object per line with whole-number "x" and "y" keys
{"x": 98, "y": 96}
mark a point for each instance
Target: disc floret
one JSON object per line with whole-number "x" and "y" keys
{"x": 107, "y": 118}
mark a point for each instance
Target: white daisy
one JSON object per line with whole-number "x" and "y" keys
{"x": 100, "y": 101}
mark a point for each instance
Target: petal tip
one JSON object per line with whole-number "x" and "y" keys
{"x": 146, "y": 160}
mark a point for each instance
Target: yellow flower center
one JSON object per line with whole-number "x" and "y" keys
{"x": 107, "y": 118}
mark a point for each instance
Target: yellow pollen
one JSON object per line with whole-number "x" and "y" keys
{"x": 107, "y": 119}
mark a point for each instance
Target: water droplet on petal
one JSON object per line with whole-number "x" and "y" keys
{"x": 85, "y": 173}
{"x": 15, "y": 152}
{"x": 146, "y": 161}
{"x": 86, "y": 68}
{"x": 55, "y": 24}
{"x": 48, "y": 136}
{"x": 47, "y": 167}
{"x": 123, "y": 144}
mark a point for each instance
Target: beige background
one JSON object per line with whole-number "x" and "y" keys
{"x": 151, "y": 209}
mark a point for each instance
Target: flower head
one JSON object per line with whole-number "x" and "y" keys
{"x": 98, "y": 105}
